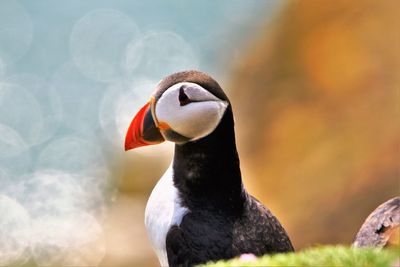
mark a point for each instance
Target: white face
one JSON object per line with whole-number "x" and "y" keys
{"x": 190, "y": 110}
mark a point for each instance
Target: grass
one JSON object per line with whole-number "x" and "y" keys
{"x": 332, "y": 256}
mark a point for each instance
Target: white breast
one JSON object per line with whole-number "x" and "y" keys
{"x": 162, "y": 211}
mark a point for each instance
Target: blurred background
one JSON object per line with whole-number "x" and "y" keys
{"x": 314, "y": 87}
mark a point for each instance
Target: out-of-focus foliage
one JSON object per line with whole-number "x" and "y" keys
{"x": 317, "y": 108}
{"x": 315, "y": 96}
{"x": 328, "y": 256}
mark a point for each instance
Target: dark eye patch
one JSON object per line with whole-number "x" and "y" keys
{"x": 183, "y": 98}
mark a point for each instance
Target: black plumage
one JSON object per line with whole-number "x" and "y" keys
{"x": 223, "y": 219}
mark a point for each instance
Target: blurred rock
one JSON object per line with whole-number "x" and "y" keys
{"x": 380, "y": 226}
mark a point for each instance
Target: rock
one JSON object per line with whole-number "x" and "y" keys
{"x": 380, "y": 226}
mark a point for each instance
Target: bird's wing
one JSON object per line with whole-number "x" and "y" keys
{"x": 178, "y": 249}
{"x": 271, "y": 227}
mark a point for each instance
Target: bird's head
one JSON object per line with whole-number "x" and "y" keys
{"x": 185, "y": 107}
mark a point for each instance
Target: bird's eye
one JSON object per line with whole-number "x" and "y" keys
{"x": 183, "y": 98}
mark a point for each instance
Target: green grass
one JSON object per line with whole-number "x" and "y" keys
{"x": 332, "y": 256}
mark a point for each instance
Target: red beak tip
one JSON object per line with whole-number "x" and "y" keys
{"x": 134, "y": 133}
{"x": 129, "y": 144}
{"x": 129, "y": 147}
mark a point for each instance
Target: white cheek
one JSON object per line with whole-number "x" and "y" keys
{"x": 194, "y": 120}
{"x": 199, "y": 119}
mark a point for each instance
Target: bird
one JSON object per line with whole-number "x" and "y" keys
{"x": 199, "y": 210}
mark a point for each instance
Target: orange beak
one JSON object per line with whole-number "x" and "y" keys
{"x": 143, "y": 130}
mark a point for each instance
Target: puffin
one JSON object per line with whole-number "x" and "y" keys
{"x": 200, "y": 211}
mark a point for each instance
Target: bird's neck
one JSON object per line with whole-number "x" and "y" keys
{"x": 207, "y": 171}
